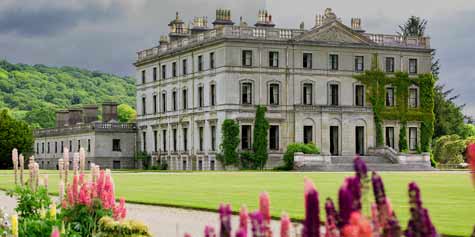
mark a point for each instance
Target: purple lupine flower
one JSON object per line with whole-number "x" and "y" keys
{"x": 241, "y": 233}
{"x": 225, "y": 218}
{"x": 420, "y": 223}
{"x": 311, "y": 224}
{"x": 360, "y": 168}
{"x": 209, "y": 231}
{"x": 332, "y": 219}
{"x": 243, "y": 220}
{"x": 354, "y": 185}
{"x": 345, "y": 203}
{"x": 257, "y": 223}
{"x": 378, "y": 189}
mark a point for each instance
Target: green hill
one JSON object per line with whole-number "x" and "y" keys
{"x": 33, "y": 93}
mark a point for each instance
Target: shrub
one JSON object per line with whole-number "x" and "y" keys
{"x": 248, "y": 160}
{"x": 230, "y": 142}
{"x": 449, "y": 149}
{"x": 30, "y": 203}
{"x": 260, "y": 144}
{"x": 110, "y": 228}
{"x": 309, "y": 148}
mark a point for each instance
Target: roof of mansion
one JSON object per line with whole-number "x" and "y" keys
{"x": 328, "y": 30}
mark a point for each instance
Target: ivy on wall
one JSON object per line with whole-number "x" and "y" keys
{"x": 376, "y": 82}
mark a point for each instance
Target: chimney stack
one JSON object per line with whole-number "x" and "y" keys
{"x": 264, "y": 19}
{"x": 90, "y": 113}
{"x": 62, "y": 117}
{"x": 223, "y": 17}
{"x": 75, "y": 116}
{"x": 109, "y": 112}
{"x": 200, "y": 24}
{"x": 356, "y": 24}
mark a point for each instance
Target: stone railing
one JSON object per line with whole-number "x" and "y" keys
{"x": 238, "y": 32}
{"x": 399, "y": 157}
{"x": 79, "y": 128}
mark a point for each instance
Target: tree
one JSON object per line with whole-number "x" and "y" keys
{"x": 414, "y": 26}
{"x": 261, "y": 128}
{"x": 126, "y": 114}
{"x": 13, "y": 134}
{"x": 41, "y": 117}
{"x": 229, "y": 142}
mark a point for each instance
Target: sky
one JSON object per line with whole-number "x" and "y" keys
{"x": 106, "y": 34}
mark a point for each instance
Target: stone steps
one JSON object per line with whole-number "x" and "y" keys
{"x": 367, "y": 159}
{"x": 371, "y": 167}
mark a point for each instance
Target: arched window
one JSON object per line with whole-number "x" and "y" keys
{"x": 246, "y": 92}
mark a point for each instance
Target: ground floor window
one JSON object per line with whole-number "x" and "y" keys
{"x": 115, "y": 144}
{"x": 184, "y": 165}
{"x": 116, "y": 164}
{"x": 413, "y": 139}
{"x": 212, "y": 165}
{"x": 274, "y": 137}
{"x": 334, "y": 150}
{"x": 200, "y": 165}
{"x": 390, "y": 137}
{"x": 359, "y": 140}
{"x": 307, "y": 134}
{"x": 246, "y": 137}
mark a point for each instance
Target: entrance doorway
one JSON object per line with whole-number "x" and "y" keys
{"x": 334, "y": 149}
{"x": 359, "y": 140}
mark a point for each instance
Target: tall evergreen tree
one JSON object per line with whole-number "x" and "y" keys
{"x": 260, "y": 144}
{"x": 13, "y": 134}
{"x": 229, "y": 142}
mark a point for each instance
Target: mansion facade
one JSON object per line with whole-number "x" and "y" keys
{"x": 198, "y": 76}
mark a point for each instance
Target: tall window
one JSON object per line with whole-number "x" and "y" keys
{"x": 274, "y": 137}
{"x": 307, "y": 93}
{"x": 62, "y": 146}
{"x": 154, "y": 104}
{"x": 413, "y": 66}
{"x": 359, "y": 63}
{"x": 413, "y": 100}
{"x": 88, "y": 145}
{"x": 143, "y": 76}
{"x": 185, "y": 99}
{"x": 56, "y": 147}
{"x": 201, "y": 136}
{"x": 42, "y": 148}
{"x": 144, "y": 141}
{"x": 273, "y": 59}
{"x": 390, "y": 64}
{"x": 307, "y": 134}
{"x": 390, "y": 137}
{"x": 184, "y": 69}
{"x": 164, "y": 71}
{"x": 246, "y": 137}
{"x": 334, "y": 61}
{"x": 334, "y": 94}
{"x": 213, "y": 138}
{"x": 389, "y": 96}
{"x": 154, "y": 73}
{"x": 200, "y": 63}
{"x": 185, "y": 139}
{"x": 174, "y": 100}
{"x": 144, "y": 106}
{"x": 115, "y": 144}
{"x": 211, "y": 60}
{"x": 174, "y": 69}
{"x": 359, "y": 95}
{"x": 79, "y": 145}
{"x": 247, "y": 58}
{"x": 200, "y": 97}
{"x": 70, "y": 146}
{"x": 213, "y": 94}
{"x": 37, "y": 148}
{"x": 413, "y": 139}
{"x": 175, "y": 142}
{"x": 274, "y": 94}
{"x": 164, "y": 140}
{"x": 47, "y": 148}
{"x": 164, "y": 102}
{"x": 246, "y": 93}
{"x": 155, "y": 140}
{"x": 307, "y": 61}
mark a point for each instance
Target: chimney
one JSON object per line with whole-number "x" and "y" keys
{"x": 109, "y": 112}
{"x": 90, "y": 113}
{"x": 75, "y": 116}
{"x": 62, "y": 117}
{"x": 200, "y": 24}
{"x": 223, "y": 17}
{"x": 264, "y": 19}
{"x": 356, "y": 24}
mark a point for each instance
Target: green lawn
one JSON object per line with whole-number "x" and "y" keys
{"x": 449, "y": 196}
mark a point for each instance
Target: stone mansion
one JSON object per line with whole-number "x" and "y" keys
{"x": 199, "y": 75}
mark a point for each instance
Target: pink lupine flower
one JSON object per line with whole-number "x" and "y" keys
{"x": 471, "y": 159}
{"x": 241, "y": 233}
{"x": 71, "y": 200}
{"x": 258, "y": 225}
{"x": 55, "y": 233}
{"x": 100, "y": 183}
{"x": 61, "y": 191}
{"x": 85, "y": 195}
{"x": 81, "y": 179}
{"x": 285, "y": 225}
{"x": 15, "y": 164}
{"x": 107, "y": 195}
{"x": 358, "y": 226}
{"x": 264, "y": 208}
{"x": 75, "y": 187}
{"x": 225, "y": 219}
{"x": 119, "y": 211}
{"x": 76, "y": 163}
{"x": 209, "y": 231}
{"x": 243, "y": 220}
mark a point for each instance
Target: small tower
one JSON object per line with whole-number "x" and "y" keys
{"x": 264, "y": 19}
{"x": 223, "y": 17}
{"x": 178, "y": 29}
{"x": 356, "y": 25}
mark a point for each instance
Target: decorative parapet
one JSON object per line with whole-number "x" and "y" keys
{"x": 83, "y": 128}
{"x": 275, "y": 34}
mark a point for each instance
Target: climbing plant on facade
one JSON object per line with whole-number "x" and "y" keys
{"x": 376, "y": 82}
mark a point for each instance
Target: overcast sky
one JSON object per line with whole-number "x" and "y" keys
{"x": 106, "y": 34}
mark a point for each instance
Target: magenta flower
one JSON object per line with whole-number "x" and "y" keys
{"x": 225, "y": 213}
{"x": 264, "y": 208}
{"x": 243, "y": 220}
{"x": 420, "y": 223}
{"x": 471, "y": 160}
{"x": 209, "y": 231}
{"x": 311, "y": 224}
{"x": 285, "y": 225}
{"x": 241, "y": 233}
{"x": 75, "y": 187}
{"x": 360, "y": 167}
{"x": 258, "y": 225}
{"x": 85, "y": 195}
{"x": 332, "y": 219}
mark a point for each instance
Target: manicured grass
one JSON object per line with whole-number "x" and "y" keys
{"x": 449, "y": 196}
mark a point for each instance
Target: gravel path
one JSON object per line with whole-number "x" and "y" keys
{"x": 163, "y": 221}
